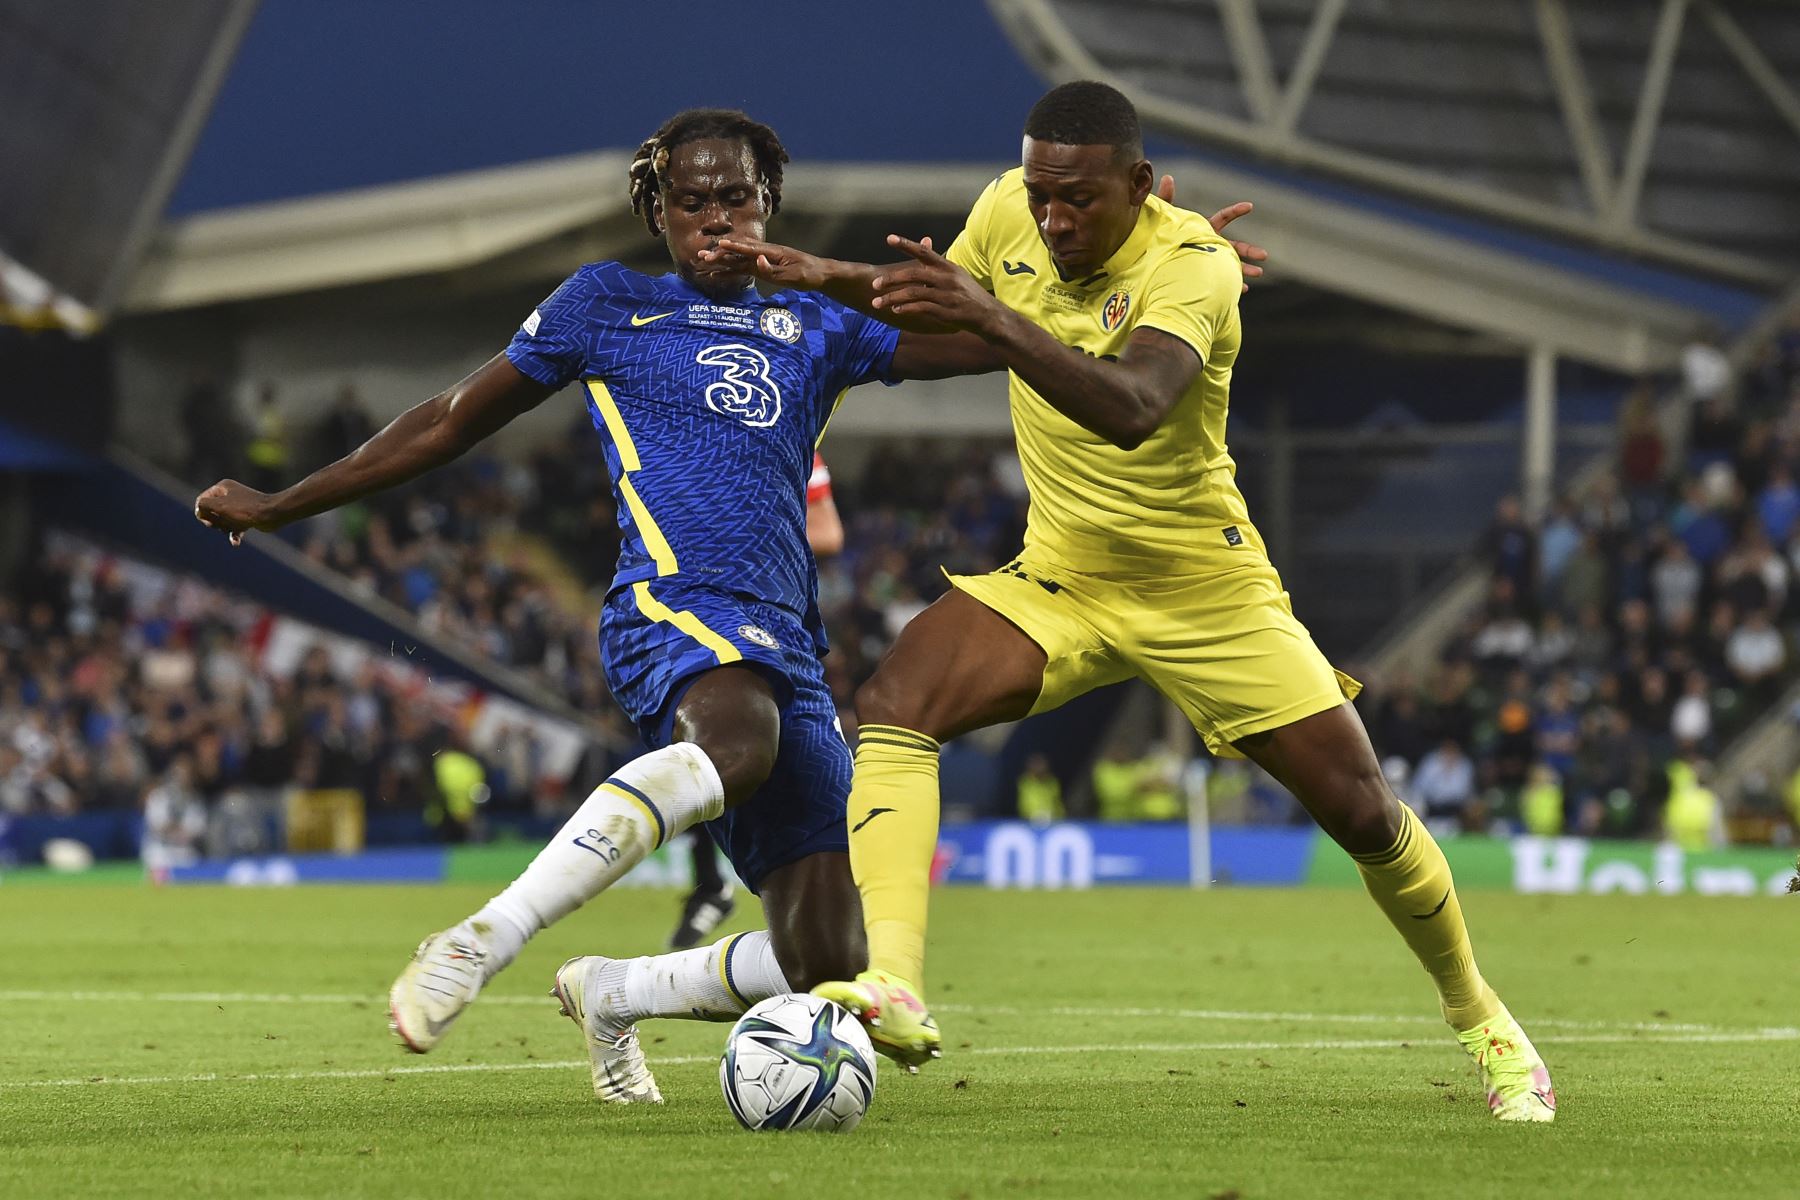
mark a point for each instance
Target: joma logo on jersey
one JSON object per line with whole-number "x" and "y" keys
{"x": 745, "y": 391}
{"x": 1113, "y": 315}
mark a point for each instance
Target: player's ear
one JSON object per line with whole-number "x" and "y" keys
{"x": 1143, "y": 178}
{"x": 656, "y": 214}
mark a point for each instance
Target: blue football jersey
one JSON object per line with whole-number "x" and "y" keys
{"x": 709, "y": 408}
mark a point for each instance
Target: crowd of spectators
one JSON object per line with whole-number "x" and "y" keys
{"x": 125, "y": 687}
{"x": 1628, "y": 633}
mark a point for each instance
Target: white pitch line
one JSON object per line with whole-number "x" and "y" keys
{"x": 1753, "y": 1035}
{"x": 1221, "y": 1014}
{"x": 1180, "y": 1014}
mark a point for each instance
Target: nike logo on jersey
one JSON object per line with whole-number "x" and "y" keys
{"x": 639, "y": 320}
{"x": 1434, "y": 912}
{"x": 1012, "y": 268}
{"x": 873, "y": 813}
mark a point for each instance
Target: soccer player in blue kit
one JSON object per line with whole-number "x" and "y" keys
{"x": 709, "y": 399}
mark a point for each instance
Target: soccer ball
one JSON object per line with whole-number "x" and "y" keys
{"x": 798, "y": 1062}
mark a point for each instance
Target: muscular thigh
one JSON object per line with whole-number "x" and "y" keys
{"x": 995, "y": 648}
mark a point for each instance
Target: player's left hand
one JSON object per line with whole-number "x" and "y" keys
{"x": 933, "y": 288}
{"x": 1248, "y": 253}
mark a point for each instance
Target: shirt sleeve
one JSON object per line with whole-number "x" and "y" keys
{"x": 818, "y": 485}
{"x": 970, "y": 250}
{"x": 552, "y": 345}
{"x": 862, "y": 349}
{"x": 1193, "y": 295}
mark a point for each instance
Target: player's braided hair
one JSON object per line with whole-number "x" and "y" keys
{"x": 649, "y": 168}
{"x": 1086, "y": 113}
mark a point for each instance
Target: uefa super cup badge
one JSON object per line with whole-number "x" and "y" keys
{"x": 1113, "y": 314}
{"x": 780, "y": 324}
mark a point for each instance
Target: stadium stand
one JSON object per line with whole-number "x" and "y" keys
{"x": 1629, "y": 634}
{"x": 119, "y": 676}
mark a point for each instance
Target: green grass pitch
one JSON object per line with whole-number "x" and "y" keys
{"x": 208, "y": 1042}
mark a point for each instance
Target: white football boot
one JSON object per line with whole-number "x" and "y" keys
{"x": 442, "y": 979}
{"x": 621, "y": 1076}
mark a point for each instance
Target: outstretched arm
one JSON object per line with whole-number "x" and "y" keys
{"x": 426, "y": 435}
{"x": 1124, "y": 402}
{"x": 849, "y": 283}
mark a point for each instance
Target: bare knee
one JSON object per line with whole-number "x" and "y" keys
{"x": 731, "y": 714}
{"x": 880, "y": 701}
{"x": 744, "y": 761}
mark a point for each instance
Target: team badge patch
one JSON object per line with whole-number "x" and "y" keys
{"x": 780, "y": 324}
{"x": 757, "y": 634}
{"x": 1113, "y": 315}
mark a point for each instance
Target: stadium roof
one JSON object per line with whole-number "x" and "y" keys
{"x": 330, "y": 95}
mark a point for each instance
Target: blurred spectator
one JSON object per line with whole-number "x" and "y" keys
{"x": 174, "y": 819}
{"x": 1510, "y": 548}
{"x": 1146, "y": 788}
{"x": 1040, "y": 793}
{"x": 1585, "y": 577}
{"x": 1756, "y": 653}
{"x": 1675, "y": 583}
{"x": 1541, "y": 806}
{"x": 1444, "y": 784}
{"x": 1558, "y": 542}
{"x": 212, "y": 429}
{"x": 1778, "y": 507}
{"x": 1558, "y": 728}
{"x": 1641, "y": 451}
{"x": 267, "y": 452}
{"x": 1705, "y": 370}
{"x": 1693, "y": 818}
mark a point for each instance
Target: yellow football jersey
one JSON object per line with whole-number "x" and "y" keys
{"x": 1095, "y": 508}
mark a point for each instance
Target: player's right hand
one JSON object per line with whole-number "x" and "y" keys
{"x": 234, "y": 508}
{"x": 774, "y": 262}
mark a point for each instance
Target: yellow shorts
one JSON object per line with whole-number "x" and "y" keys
{"x": 1219, "y": 639}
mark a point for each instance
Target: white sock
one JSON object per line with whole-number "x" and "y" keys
{"x": 710, "y": 983}
{"x": 642, "y": 805}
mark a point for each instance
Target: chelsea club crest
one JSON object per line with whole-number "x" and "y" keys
{"x": 780, "y": 324}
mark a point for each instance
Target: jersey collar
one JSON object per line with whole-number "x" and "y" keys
{"x": 747, "y": 297}
{"x": 1136, "y": 244}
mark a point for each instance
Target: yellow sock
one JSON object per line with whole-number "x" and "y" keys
{"x": 1411, "y": 882}
{"x": 893, "y": 837}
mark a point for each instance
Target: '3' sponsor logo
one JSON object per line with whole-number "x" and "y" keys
{"x": 744, "y": 389}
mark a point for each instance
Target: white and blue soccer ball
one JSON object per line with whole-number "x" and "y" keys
{"x": 798, "y": 1062}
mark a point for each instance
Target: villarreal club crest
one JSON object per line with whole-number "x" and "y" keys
{"x": 1113, "y": 315}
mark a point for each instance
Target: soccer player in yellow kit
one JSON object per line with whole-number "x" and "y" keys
{"x": 1116, "y": 315}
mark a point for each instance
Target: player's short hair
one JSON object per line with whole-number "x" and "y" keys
{"x": 649, "y": 167}
{"x": 1087, "y": 113}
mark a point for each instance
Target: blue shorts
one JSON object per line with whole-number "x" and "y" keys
{"x": 656, "y": 638}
